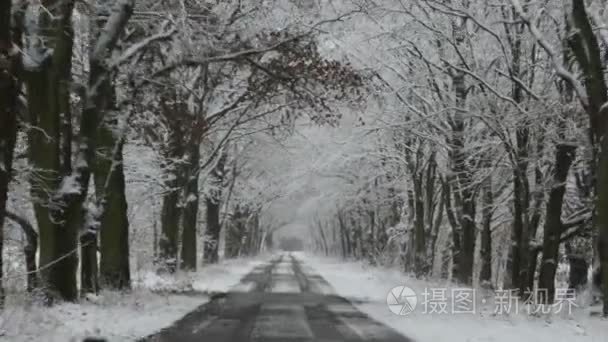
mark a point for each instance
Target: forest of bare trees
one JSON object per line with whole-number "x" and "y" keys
{"x": 460, "y": 139}
{"x": 82, "y": 80}
{"x": 485, "y": 162}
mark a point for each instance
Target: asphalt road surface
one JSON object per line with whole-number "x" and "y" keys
{"x": 283, "y": 301}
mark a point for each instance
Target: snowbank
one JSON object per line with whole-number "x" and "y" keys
{"x": 368, "y": 287}
{"x": 118, "y": 317}
{"x": 212, "y": 278}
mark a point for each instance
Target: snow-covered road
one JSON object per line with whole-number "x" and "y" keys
{"x": 289, "y": 302}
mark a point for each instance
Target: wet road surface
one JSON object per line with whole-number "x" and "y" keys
{"x": 283, "y": 301}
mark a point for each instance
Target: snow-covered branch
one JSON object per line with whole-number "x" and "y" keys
{"x": 555, "y": 60}
{"x": 112, "y": 30}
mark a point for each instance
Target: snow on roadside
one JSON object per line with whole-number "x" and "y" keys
{"x": 115, "y": 316}
{"x": 122, "y": 317}
{"x": 367, "y": 287}
{"x": 212, "y": 278}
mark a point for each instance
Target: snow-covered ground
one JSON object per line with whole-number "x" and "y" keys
{"x": 122, "y": 317}
{"x": 369, "y": 286}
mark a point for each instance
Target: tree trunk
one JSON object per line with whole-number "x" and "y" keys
{"x": 420, "y": 258}
{"x": 455, "y": 242}
{"x": 535, "y": 218}
{"x": 564, "y": 156}
{"x": 99, "y": 100}
{"x": 257, "y": 234}
{"x": 31, "y": 267}
{"x": 354, "y": 241}
{"x": 170, "y": 211}
{"x": 435, "y": 231}
{"x": 465, "y": 235}
{"x": 234, "y": 236}
{"x": 433, "y": 217}
{"x": 109, "y": 180}
{"x": 190, "y": 212}
{"x": 88, "y": 264}
{"x": 347, "y": 237}
{"x": 169, "y": 220}
{"x": 468, "y": 240}
{"x": 371, "y": 237}
{"x": 485, "y": 277}
{"x": 585, "y": 46}
{"x": 9, "y": 87}
{"x": 343, "y": 233}
{"x": 213, "y": 203}
{"x": 602, "y": 216}
{"x": 44, "y": 156}
{"x": 212, "y": 233}
{"x": 114, "y": 268}
{"x": 520, "y": 242}
{"x": 235, "y": 233}
{"x": 519, "y": 253}
{"x": 29, "y": 250}
{"x": 579, "y": 267}
{"x": 323, "y": 238}
{"x": 47, "y": 89}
